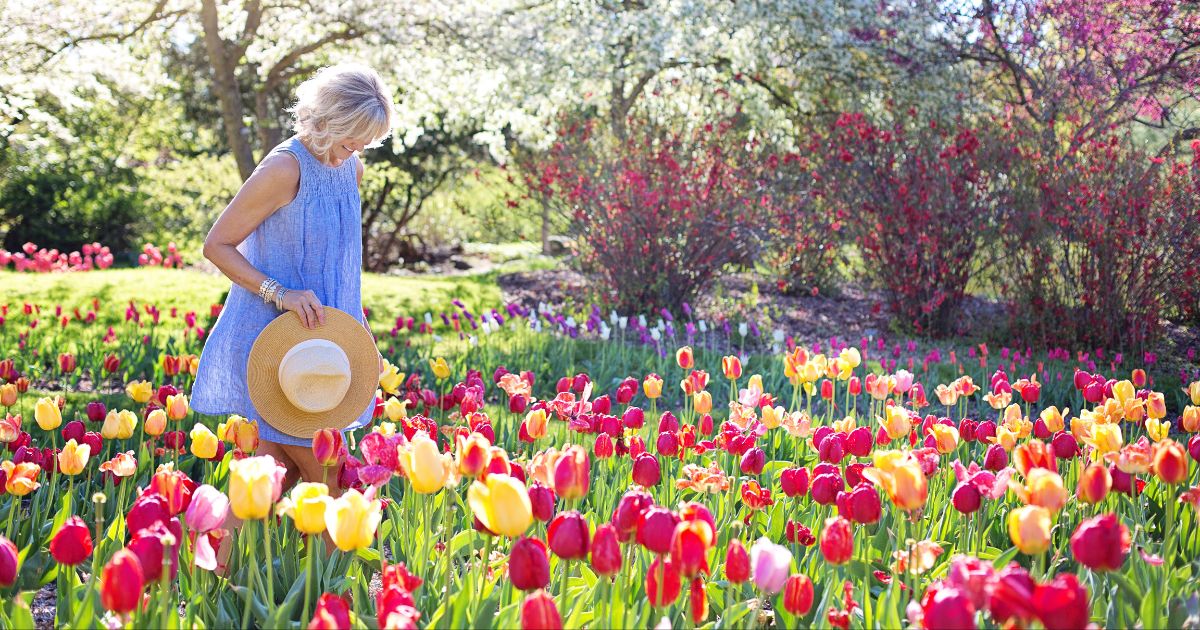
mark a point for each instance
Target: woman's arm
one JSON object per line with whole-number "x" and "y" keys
{"x": 272, "y": 185}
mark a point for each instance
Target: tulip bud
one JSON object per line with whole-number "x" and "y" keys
{"x": 860, "y": 505}
{"x": 541, "y": 501}
{"x": 996, "y": 458}
{"x": 529, "y": 564}
{"x": 121, "y": 583}
{"x": 667, "y": 444}
{"x": 333, "y": 613}
{"x": 539, "y": 612}
{"x": 156, "y": 423}
{"x": 633, "y": 418}
{"x": 966, "y": 498}
{"x": 646, "y": 470}
{"x": 1193, "y": 447}
{"x": 825, "y": 488}
{"x": 837, "y": 540}
{"x": 737, "y": 562}
{"x": 96, "y": 411}
{"x": 10, "y": 562}
{"x": 1139, "y": 378}
{"x": 572, "y": 473}
{"x": 684, "y": 358}
{"x": 1029, "y": 529}
{"x": 798, "y": 595}
{"x": 568, "y": 535}
{"x": 72, "y": 544}
{"x": 606, "y": 551}
{"x": 945, "y": 607}
{"x": 794, "y": 481}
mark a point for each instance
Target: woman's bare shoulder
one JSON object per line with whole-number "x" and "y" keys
{"x": 278, "y": 176}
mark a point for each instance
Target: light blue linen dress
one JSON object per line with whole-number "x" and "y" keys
{"x": 315, "y": 243}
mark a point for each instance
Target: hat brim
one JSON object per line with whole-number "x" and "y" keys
{"x": 285, "y": 331}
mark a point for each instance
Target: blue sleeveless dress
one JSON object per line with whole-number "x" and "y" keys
{"x": 315, "y": 243}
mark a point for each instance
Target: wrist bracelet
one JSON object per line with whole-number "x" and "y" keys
{"x": 279, "y": 298}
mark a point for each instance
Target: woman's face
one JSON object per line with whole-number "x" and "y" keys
{"x": 341, "y": 150}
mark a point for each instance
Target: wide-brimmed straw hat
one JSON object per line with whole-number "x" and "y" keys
{"x": 302, "y": 380}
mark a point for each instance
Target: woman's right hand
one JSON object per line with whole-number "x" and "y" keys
{"x": 306, "y": 306}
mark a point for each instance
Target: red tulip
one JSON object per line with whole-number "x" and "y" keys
{"x": 832, "y": 449}
{"x": 568, "y": 535}
{"x": 1194, "y": 447}
{"x": 10, "y": 562}
{"x": 73, "y": 430}
{"x": 689, "y": 547}
{"x": 332, "y": 613}
{"x": 798, "y": 595}
{"x": 1101, "y": 543}
{"x": 825, "y": 488}
{"x": 667, "y": 443}
{"x": 656, "y": 528}
{"x": 797, "y": 533}
{"x": 705, "y": 424}
{"x": 1062, "y": 604}
{"x": 996, "y": 458}
{"x": 603, "y": 448}
{"x": 794, "y": 481}
{"x": 572, "y": 473}
{"x": 633, "y": 418}
{"x": 646, "y": 470}
{"x": 1012, "y": 595}
{"x": 541, "y": 499}
{"x": 539, "y": 612}
{"x": 946, "y": 607}
{"x": 147, "y": 509}
{"x": 72, "y": 544}
{"x": 518, "y": 403}
{"x": 662, "y": 583}
{"x": 697, "y": 601}
{"x": 1170, "y": 464}
{"x": 737, "y": 562}
{"x": 861, "y": 504}
{"x": 966, "y": 498}
{"x": 66, "y": 362}
{"x": 148, "y": 544}
{"x": 529, "y": 564}
{"x": 121, "y": 582}
{"x": 96, "y": 411}
{"x": 837, "y": 540}
{"x": 859, "y": 442}
{"x": 606, "y": 550}
{"x": 327, "y": 446}
{"x": 628, "y": 513}
{"x": 112, "y": 363}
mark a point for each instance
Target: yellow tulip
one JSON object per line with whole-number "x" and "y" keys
{"x": 227, "y": 431}
{"x": 427, "y": 469}
{"x": 8, "y": 394}
{"x": 47, "y": 414}
{"x": 1005, "y": 437}
{"x": 73, "y": 457}
{"x": 946, "y": 437}
{"x": 306, "y": 505}
{"x": 139, "y": 391}
{"x": 253, "y": 484}
{"x": 702, "y": 401}
{"x": 1123, "y": 391}
{"x": 440, "y": 368}
{"x": 851, "y": 357}
{"x": 1191, "y": 419}
{"x": 1045, "y": 488}
{"x": 535, "y": 424}
{"x": 386, "y": 429}
{"x": 1106, "y": 438}
{"x": 396, "y": 409}
{"x": 204, "y": 442}
{"x": 998, "y": 401}
{"x": 351, "y": 520}
{"x": 1156, "y": 407}
{"x": 1157, "y": 429}
{"x": 1053, "y": 419}
{"x": 156, "y": 422}
{"x": 501, "y": 504}
{"x": 773, "y": 416}
{"x": 245, "y": 436}
{"x": 652, "y": 386}
{"x": 1029, "y": 529}
{"x": 896, "y": 422}
{"x": 1193, "y": 392}
{"x": 946, "y": 395}
{"x": 900, "y": 475}
{"x": 845, "y": 425}
{"x": 391, "y": 379}
{"x": 177, "y": 406}
{"x": 118, "y": 425}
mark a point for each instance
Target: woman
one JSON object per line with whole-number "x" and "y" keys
{"x": 291, "y": 240}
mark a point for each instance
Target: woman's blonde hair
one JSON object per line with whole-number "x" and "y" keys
{"x": 344, "y": 101}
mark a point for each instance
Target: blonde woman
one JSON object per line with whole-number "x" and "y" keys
{"x": 291, "y": 240}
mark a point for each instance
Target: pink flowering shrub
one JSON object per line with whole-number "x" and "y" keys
{"x": 39, "y": 259}
{"x": 152, "y": 256}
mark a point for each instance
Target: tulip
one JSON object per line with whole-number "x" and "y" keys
{"x": 689, "y": 547}
{"x": 652, "y": 386}
{"x": 684, "y": 358}
{"x": 539, "y": 612}
{"x": 208, "y": 509}
{"x": 702, "y": 402}
{"x": 946, "y": 607}
{"x": 327, "y": 447}
{"x": 121, "y": 465}
{"x": 1156, "y": 406}
{"x": 72, "y": 544}
{"x": 156, "y": 422}
{"x": 572, "y": 473}
{"x": 1045, "y": 488}
{"x": 8, "y": 394}
{"x": 176, "y": 406}
{"x": 10, "y": 562}
{"x": 606, "y": 550}
{"x": 1029, "y": 529}
{"x": 245, "y": 436}
{"x": 1101, "y": 543}
{"x": 1170, "y": 462}
{"x": 541, "y": 501}
{"x": 427, "y": 469}
{"x": 568, "y": 536}
{"x": 439, "y": 367}
{"x": 825, "y": 488}
{"x": 73, "y": 458}
{"x": 752, "y": 461}
{"x": 119, "y": 425}
{"x": 798, "y": 595}
{"x": 204, "y": 442}
{"x": 945, "y": 438}
{"x": 47, "y": 414}
{"x": 770, "y": 564}
{"x": 966, "y": 498}
{"x": 306, "y": 505}
{"x": 662, "y": 583}
{"x": 633, "y": 418}
{"x": 1190, "y": 421}
{"x": 656, "y": 529}
{"x": 837, "y": 540}
{"x": 139, "y": 391}
{"x": 737, "y": 562}
{"x": 860, "y": 505}
{"x": 351, "y": 520}
{"x": 332, "y": 613}
{"x": 254, "y": 485}
{"x": 1094, "y": 484}
{"x": 1062, "y": 604}
{"x": 646, "y": 470}
{"x": 121, "y": 583}
{"x": 536, "y": 424}
{"x": 156, "y": 545}
{"x": 896, "y": 422}
{"x": 731, "y": 366}
{"x": 529, "y": 564}
{"x": 996, "y": 458}
{"x": 794, "y": 481}
{"x": 502, "y": 504}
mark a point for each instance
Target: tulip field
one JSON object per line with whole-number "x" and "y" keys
{"x": 535, "y": 469}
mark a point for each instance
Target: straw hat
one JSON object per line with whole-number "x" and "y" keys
{"x": 305, "y": 380}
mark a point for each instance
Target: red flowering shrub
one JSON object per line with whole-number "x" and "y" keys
{"x": 1102, "y": 244}
{"x": 917, "y": 202}
{"x": 805, "y": 236}
{"x": 658, "y": 214}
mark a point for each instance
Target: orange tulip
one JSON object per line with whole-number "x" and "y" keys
{"x": 652, "y": 386}
{"x": 1191, "y": 419}
{"x": 20, "y": 479}
{"x": 1029, "y": 529}
{"x": 685, "y": 358}
{"x": 1170, "y": 462}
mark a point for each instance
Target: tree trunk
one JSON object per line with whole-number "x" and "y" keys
{"x": 226, "y": 87}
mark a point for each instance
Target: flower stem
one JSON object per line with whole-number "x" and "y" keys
{"x": 270, "y": 569}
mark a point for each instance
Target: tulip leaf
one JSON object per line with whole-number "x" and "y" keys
{"x": 735, "y": 613}
{"x": 1004, "y": 558}
{"x": 19, "y": 614}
